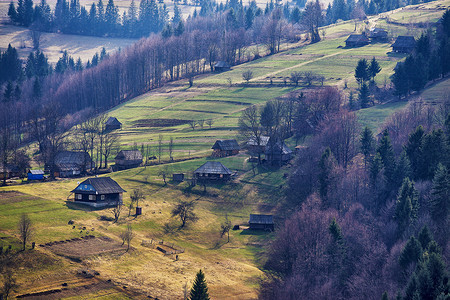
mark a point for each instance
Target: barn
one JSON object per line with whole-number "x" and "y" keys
{"x": 278, "y": 152}
{"x": 378, "y": 35}
{"x": 127, "y": 159}
{"x": 404, "y": 44}
{"x": 222, "y": 148}
{"x": 222, "y": 66}
{"x": 212, "y": 170}
{"x": 261, "y": 222}
{"x": 112, "y": 123}
{"x": 72, "y": 163}
{"x": 356, "y": 40}
{"x": 98, "y": 192}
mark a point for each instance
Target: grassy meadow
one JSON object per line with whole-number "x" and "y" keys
{"x": 233, "y": 270}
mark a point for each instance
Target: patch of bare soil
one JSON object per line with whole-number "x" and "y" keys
{"x": 79, "y": 248}
{"x": 7, "y": 197}
{"x": 159, "y": 122}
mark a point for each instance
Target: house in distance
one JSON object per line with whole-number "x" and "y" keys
{"x": 278, "y": 152}
{"x": 35, "y": 175}
{"x": 404, "y": 44}
{"x": 98, "y": 192}
{"x": 261, "y": 222}
{"x": 72, "y": 163}
{"x": 356, "y": 40}
{"x": 127, "y": 159}
{"x": 112, "y": 124}
{"x": 378, "y": 35}
{"x": 222, "y": 148}
{"x": 212, "y": 170}
{"x": 222, "y": 66}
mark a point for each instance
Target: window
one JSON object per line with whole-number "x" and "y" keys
{"x": 92, "y": 197}
{"x": 102, "y": 197}
{"x": 78, "y": 196}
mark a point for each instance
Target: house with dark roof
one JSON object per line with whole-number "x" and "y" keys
{"x": 98, "y": 192}
{"x": 222, "y": 148}
{"x": 261, "y": 222}
{"x": 9, "y": 171}
{"x": 404, "y": 44}
{"x": 112, "y": 123}
{"x": 72, "y": 163}
{"x": 35, "y": 175}
{"x": 127, "y": 159}
{"x": 254, "y": 148}
{"x": 212, "y": 170}
{"x": 356, "y": 40}
{"x": 378, "y": 35}
{"x": 222, "y": 66}
{"x": 277, "y": 152}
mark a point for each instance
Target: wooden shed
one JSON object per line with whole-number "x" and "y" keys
{"x": 178, "y": 177}
{"x": 222, "y": 66}
{"x": 72, "y": 163}
{"x": 356, "y": 40}
{"x": 112, "y": 123}
{"x": 35, "y": 175}
{"x": 278, "y": 152}
{"x": 127, "y": 159}
{"x": 222, "y": 148}
{"x": 98, "y": 192}
{"x": 212, "y": 170}
{"x": 378, "y": 35}
{"x": 254, "y": 148}
{"x": 404, "y": 44}
{"x": 261, "y": 222}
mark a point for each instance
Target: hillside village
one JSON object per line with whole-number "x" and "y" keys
{"x": 304, "y": 162}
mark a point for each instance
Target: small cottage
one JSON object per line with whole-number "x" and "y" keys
{"x": 253, "y": 147}
{"x": 127, "y": 159}
{"x": 112, "y": 124}
{"x": 222, "y": 148}
{"x": 222, "y": 66}
{"x": 178, "y": 177}
{"x": 9, "y": 171}
{"x": 261, "y": 222}
{"x": 356, "y": 40}
{"x": 212, "y": 170}
{"x": 98, "y": 192}
{"x": 378, "y": 35}
{"x": 404, "y": 44}
{"x": 278, "y": 152}
{"x": 35, "y": 175}
{"x": 72, "y": 163}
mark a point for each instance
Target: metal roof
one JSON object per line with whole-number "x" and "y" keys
{"x": 261, "y": 219}
{"x": 213, "y": 167}
{"x": 226, "y": 145}
{"x": 112, "y": 121}
{"x": 100, "y": 185}
{"x": 72, "y": 158}
{"x": 222, "y": 64}
{"x": 129, "y": 155}
{"x": 263, "y": 140}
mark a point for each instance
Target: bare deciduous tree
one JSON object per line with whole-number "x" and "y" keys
{"x": 247, "y": 75}
{"x": 127, "y": 236}
{"x": 184, "y": 211}
{"x": 116, "y": 211}
{"x": 160, "y": 147}
{"x": 225, "y": 228}
{"x": 192, "y": 123}
{"x": 209, "y": 122}
{"x": 110, "y": 144}
{"x": 135, "y": 197}
{"x": 295, "y": 77}
{"x": 9, "y": 284}
{"x": 25, "y": 230}
{"x": 249, "y": 127}
{"x": 171, "y": 149}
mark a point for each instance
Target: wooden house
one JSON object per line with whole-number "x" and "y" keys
{"x": 222, "y": 148}
{"x": 72, "y": 163}
{"x": 35, "y": 175}
{"x": 378, "y": 35}
{"x": 9, "y": 171}
{"x": 261, "y": 222}
{"x": 98, "y": 192}
{"x": 404, "y": 44}
{"x": 178, "y": 177}
{"x": 127, "y": 159}
{"x": 277, "y": 152}
{"x": 212, "y": 170}
{"x": 356, "y": 40}
{"x": 112, "y": 123}
{"x": 222, "y": 66}
{"x": 254, "y": 148}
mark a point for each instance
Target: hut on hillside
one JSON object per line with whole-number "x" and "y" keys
{"x": 404, "y": 44}
{"x": 222, "y": 66}
{"x": 356, "y": 40}
{"x": 378, "y": 35}
{"x": 112, "y": 123}
{"x": 222, "y": 148}
{"x": 35, "y": 175}
{"x": 212, "y": 170}
{"x": 127, "y": 159}
{"x": 98, "y": 192}
{"x": 277, "y": 152}
{"x": 72, "y": 163}
{"x": 254, "y": 148}
{"x": 261, "y": 222}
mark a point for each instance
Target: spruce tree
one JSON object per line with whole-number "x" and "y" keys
{"x": 403, "y": 169}
{"x": 413, "y": 149}
{"x": 425, "y": 237}
{"x": 367, "y": 144}
{"x": 411, "y": 253}
{"x": 407, "y": 204}
{"x": 327, "y": 165}
{"x": 385, "y": 296}
{"x": 440, "y": 195}
{"x": 388, "y": 158}
{"x": 199, "y": 289}
{"x": 361, "y": 72}
{"x": 12, "y": 13}
{"x": 364, "y": 94}
{"x": 374, "y": 68}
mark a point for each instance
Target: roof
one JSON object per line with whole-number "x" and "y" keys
{"x": 36, "y": 172}
{"x": 404, "y": 41}
{"x": 278, "y": 147}
{"x": 263, "y": 141}
{"x": 213, "y": 167}
{"x": 112, "y": 121}
{"x": 100, "y": 185}
{"x": 226, "y": 145}
{"x": 222, "y": 64}
{"x": 129, "y": 155}
{"x": 261, "y": 219}
{"x": 68, "y": 158}
{"x": 357, "y": 38}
